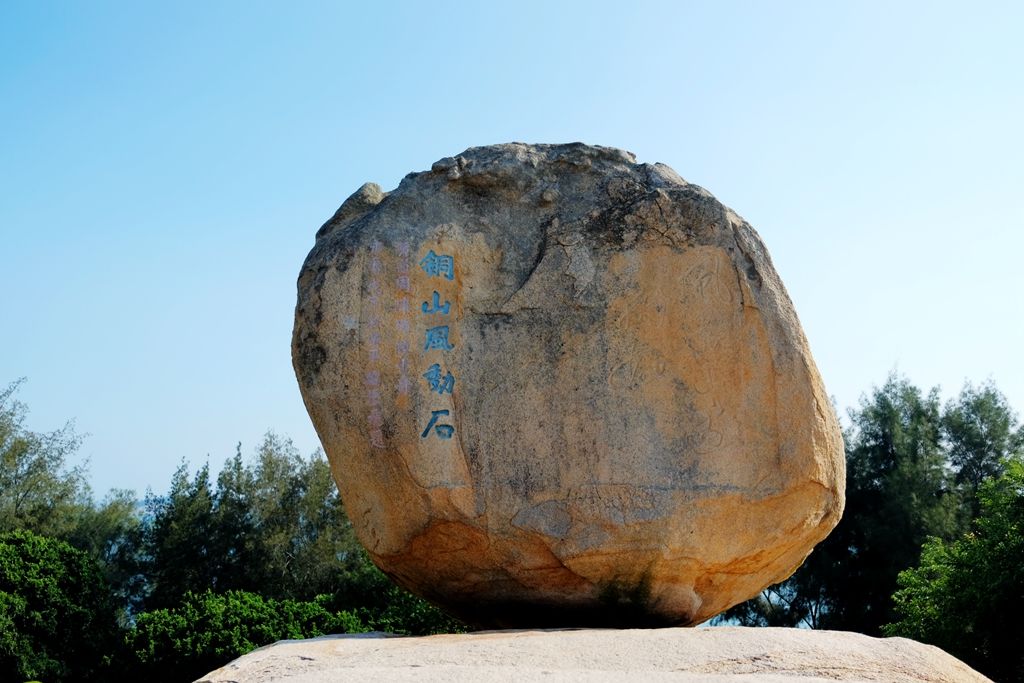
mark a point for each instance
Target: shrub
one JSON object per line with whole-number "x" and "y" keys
{"x": 207, "y": 630}
{"x": 967, "y": 596}
{"x": 57, "y": 617}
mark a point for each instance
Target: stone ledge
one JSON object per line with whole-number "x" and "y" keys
{"x": 762, "y": 655}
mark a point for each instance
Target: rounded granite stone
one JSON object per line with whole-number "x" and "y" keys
{"x": 560, "y": 388}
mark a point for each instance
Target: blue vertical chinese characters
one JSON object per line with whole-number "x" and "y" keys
{"x": 436, "y": 338}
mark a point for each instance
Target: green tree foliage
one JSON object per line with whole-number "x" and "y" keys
{"x": 981, "y": 434}
{"x": 180, "y": 549}
{"x": 111, "y": 532}
{"x": 967, "y": 596}
{"x": 898, "y": 494}
{"x": 39, "y": 493}
{"x": 207, "y": 630}
{"x": 264, "y": 552}
{"x": 276, "y": 527}
{"x": 57, "y": 617}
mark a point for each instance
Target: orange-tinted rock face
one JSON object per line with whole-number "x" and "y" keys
{"x": 560, "y": 388}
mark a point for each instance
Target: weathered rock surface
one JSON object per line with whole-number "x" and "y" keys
{"x": 768, "y": 655}
{"x": 560, "y": 388}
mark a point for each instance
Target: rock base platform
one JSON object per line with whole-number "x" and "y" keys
{"x": 763, "y": 655}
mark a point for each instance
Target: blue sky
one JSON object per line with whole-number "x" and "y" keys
{"x": 164, "y": 169}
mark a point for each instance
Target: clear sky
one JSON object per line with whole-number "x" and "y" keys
{"x": 164, "y": 167}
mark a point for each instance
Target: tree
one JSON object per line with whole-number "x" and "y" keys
{"x": 300, "y": 528}
{"x": 111, "y": 532}
{"x": 898, "y": 494}
{"x": 37, "y": 492}
{"x": 981, "y": 433}
{"x": 57, "y": 618}
{"x": 181, "y": 540}
{"x": 967, "y": 596}
{"x": 324, "y": 547}
{"x": 275, "y": 526}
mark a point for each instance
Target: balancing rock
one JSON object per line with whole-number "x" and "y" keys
{"x": 560, "y": 388}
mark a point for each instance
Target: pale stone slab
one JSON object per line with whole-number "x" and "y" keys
{"x": 768, "y": 655}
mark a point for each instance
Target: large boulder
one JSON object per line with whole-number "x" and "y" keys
{"x": 560, "y": 388}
